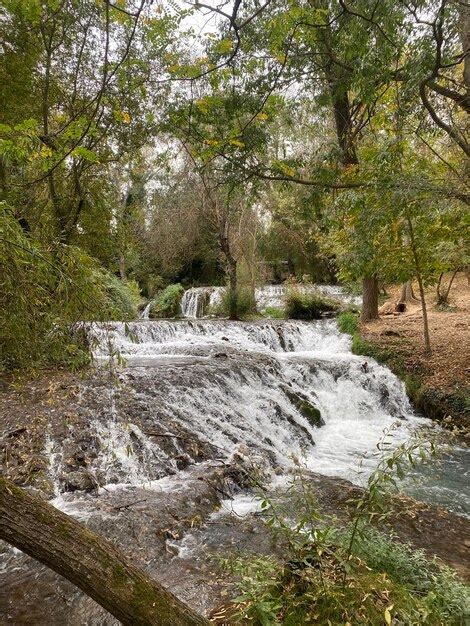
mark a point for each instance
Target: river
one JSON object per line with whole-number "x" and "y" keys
{"x": 183, "y": 399}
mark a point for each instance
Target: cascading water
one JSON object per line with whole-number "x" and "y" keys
{"x": 186, "y": 397}
{"x": 197, "y": 302}
{"x": 253, "y": 383}
{"x": 145, "y": 315}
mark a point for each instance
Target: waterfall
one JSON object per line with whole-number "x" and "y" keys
{"x": 259, "y": 384}
{"x": 198, "y": 301}
{"x": 145, "y": 315}
{"x": 140, "y": 448}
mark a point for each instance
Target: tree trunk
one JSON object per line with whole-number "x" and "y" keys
{"x": 290, "y": 266}
{"x": 233, "y": 291}
{"x": 443, "y": 298}
{"x": 89, "y": 561}
{"x": 122, "y": 267}
{"x": 427, "y": 339}
{"x": 407, "y": 293}
{"x": 414, "y": 250}
{"x": 231, "y": 268}
{"x": 370, "y": 298}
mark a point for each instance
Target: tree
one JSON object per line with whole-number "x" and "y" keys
{"x": 90, "y": 562}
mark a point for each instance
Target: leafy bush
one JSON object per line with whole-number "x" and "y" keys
{"x": 124, "y": 297}
{"x": 46, "y": 295}
{"x": 245, "y": 303}
{"x": 308, "y": 306}
{"x": 274, "y": 312}
{"x": 358, "y": 574}
{"x": 348, "y": 322}
{"x": 167, "y": 302}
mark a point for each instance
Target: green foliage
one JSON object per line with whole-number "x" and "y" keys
{"x": 244, "y": 302}
{"x": 354, "y": 574}
{"x": 348, "y": 322}
{"x": 124, "y": 296}
{"x": 308, "y": 306}
{"x": 274, "y": 313}
{"x": 167, "y": 302}
{"x": 47, "y": 294}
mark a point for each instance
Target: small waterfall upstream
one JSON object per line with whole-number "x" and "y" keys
{"x": 198, "y": 302}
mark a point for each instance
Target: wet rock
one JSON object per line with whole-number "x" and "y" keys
{"x": 305, "y": 408}
{"x": 79, "y": 481}
{"x": 220, "y": 355}
{"x": 311, "y": 413}
{"x": 182, "y": 461}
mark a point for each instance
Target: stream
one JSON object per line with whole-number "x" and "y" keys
{"x": 149, "y": 441}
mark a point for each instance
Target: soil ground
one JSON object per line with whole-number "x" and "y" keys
{"x": 448, "y": 367}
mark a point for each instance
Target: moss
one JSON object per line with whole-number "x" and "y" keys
{"x": 120, "y": 576}
{"x": 144, "y": 596}
{"x": 311, "y": 413}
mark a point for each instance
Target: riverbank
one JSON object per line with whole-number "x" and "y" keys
{"x": 437, "y": 384}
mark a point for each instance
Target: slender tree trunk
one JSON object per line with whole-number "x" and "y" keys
{"x": 407, "y": 293}
{"x": 233, "y": 289}
{"x": 290, "y": 266}
{"x": 370, "y": 298}
{"x": 231, "y": 265}
{"x": 122, "y": 267}
{"x": 89, "y": 561}
{"x": 427, "y": 339}
{"x": 443, "y": 298}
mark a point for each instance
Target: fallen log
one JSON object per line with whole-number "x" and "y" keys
{"x": 89, "y": 561}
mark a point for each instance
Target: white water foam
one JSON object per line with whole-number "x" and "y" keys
{"x": 240, "y": 382}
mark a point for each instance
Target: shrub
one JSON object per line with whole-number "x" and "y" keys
{"x": 274, "y": 312}
{"x": 308, "y": 306}
{"x": 167, "y": 302}
{"x": 358, "y": 574}
{"x": 46, "y": 294}
{"x": 246, "y": 304}
{"x": 123, "y": 296}
{"x": 348, "y": 322}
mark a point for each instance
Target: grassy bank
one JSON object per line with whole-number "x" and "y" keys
{"x": 449, "y": 407}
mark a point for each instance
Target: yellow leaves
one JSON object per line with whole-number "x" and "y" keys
{"x": 237, "y": 142}
{"x": 286, "y": 169}
{"x": 174, "y": 68}
{"x": 351, "y": 169}
{"x": 203, "y": 105}
{"x": 224, "y": 46}
{"x": 388, "y": 615}
{"x": 43, "y": 153}
{"x": 122, "y": 116}
{"x": 212, "y": 142}
{"x": 262, "y": 116}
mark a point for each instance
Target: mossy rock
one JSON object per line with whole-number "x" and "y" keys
{"x": 305, "y": 408}
{"x": 311, "y": 413}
